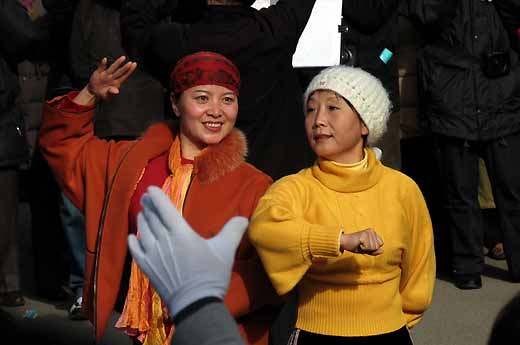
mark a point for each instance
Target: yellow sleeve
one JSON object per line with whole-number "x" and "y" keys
{"x": 418, "y": 265}
{"x": 286, "y": 242}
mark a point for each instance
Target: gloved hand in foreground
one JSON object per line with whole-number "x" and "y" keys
{"x": 182, "y": 266}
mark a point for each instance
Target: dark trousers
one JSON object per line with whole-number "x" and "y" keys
{"x": 9, "y": 260}
{"x": 399, "y": 337}
{"x": 459, "y": 175}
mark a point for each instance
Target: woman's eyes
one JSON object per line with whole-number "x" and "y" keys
{"x": 204, "y": 99}
{"x": 228, "y": 100}
{"x": 329, "y": 107}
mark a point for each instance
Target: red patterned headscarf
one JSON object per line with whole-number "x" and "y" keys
{"x": 204, "y": 68}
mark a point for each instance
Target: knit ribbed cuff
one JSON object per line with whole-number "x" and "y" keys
{"x": 323, "y": 241}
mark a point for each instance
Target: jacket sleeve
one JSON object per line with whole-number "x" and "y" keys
{"x": 418, "y": 265}
{"x": 249, "y": 287}
{"x": 209, "y": 324}
{"x": 285, "y": 241}
{"x": 20, "y": 37}
{"x": 368, "y": 16}
{"x": 77, "y": 158}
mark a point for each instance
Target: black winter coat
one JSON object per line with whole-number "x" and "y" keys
{"x": 20, "y": 38}
{"x": 369, "y": 27}
{"x": 457, "y": 98}
{"x": 261, "y": 43}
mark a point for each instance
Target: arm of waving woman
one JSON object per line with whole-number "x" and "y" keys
{"x": 67, "y": 136}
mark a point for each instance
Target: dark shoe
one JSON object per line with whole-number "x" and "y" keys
{"x": 497, "y": 252}
{"x": 12, "y": 299}
{"x": 468, "y": 281}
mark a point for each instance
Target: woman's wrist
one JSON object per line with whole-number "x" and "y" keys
{"x": 85, "y": 97}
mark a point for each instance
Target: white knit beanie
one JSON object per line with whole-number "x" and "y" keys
{"x": 364, "y": 91}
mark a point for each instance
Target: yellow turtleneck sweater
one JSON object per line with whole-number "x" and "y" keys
{"x": 296, "y": 229}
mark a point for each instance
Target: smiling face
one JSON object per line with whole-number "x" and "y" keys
{"x": 334, "y": 129}
{"x": 207, "y": 115}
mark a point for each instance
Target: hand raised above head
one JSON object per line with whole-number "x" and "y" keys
{"x": 106, "y": 81}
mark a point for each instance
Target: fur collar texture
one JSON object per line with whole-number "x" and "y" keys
{"x": 217, "y": 160}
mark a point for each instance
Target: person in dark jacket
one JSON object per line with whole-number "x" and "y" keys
{"x": 261, "y": 43}
{"x": 469, "y": 86}
{"x": 19, "y": 39}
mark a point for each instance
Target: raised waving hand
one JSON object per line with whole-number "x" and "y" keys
{"x": 105, "y": 82}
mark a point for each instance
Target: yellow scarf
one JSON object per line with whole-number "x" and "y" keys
{"x": 144, "y": 315}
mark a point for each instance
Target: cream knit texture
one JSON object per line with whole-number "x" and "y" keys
{"x": 364, "y": 91}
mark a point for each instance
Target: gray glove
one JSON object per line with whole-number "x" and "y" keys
{"x": 182, "y": 266}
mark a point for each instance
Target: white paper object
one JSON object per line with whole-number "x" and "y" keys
{"x": 320, "y": 43}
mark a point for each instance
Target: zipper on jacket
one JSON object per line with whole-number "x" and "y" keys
{"x": 100, "y": 233}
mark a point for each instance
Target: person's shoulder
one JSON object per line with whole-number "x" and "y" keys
{"x": 300, "y": 180}
{"x": 399, "y": 180}
{"x": 254, "y": 173}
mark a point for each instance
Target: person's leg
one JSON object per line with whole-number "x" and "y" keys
{"x": 74, "y": 227}
{"x": 501, "y": 158}
{"x": 10, "y": 294}
{"x": 458, "y": 164}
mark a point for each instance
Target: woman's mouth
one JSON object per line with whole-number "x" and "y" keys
{"x": 213, "y": 126}
{"x": 321, "y": 137}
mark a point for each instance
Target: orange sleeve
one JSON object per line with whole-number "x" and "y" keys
{"x": 78, "y": 159}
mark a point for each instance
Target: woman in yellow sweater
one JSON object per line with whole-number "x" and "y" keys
{"x": 322, "y": 230}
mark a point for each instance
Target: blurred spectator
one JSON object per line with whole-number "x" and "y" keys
{"x": 49, "y": 246}
{"x": 470, "y": 102}
{"x": 20, "y": 38}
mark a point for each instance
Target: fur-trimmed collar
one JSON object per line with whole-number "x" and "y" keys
{"x": 219, "y": 159}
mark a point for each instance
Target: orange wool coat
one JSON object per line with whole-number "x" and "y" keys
{"x": 100, "y": 177}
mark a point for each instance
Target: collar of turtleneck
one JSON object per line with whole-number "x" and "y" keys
{"x": 344, "y": 179}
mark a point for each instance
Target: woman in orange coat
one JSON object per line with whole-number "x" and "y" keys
{"x": 199, "y": 163}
